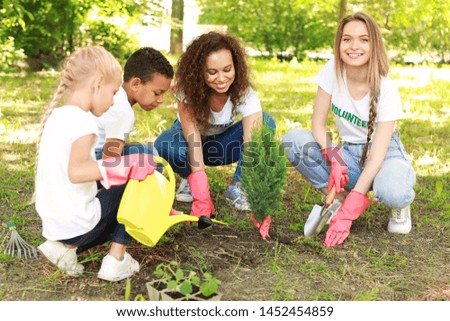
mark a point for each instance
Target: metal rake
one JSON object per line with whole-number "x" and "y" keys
{"x": 17, "y": 245}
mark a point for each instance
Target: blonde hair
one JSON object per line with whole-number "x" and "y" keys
{"x": 378, "y": 65}
{"x": 78, "y": 67}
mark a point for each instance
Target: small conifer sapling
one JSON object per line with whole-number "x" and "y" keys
{"x": 263, "y": 176}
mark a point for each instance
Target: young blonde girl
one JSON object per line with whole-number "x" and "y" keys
{"x": 366, "y": 104}
{"x": 74, "y": 216}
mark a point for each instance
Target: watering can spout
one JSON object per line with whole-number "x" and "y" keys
{"x": 174, "y": 219}
{"x": 151, "y": 234}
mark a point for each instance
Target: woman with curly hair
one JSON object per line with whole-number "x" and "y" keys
{"x": 212, "y": 87}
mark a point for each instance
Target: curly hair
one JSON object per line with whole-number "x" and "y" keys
{"x": 189, "y": 77}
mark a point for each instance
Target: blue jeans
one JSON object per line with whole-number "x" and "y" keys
{"x": 393, "y": 185}
{"x": 223, "y": 149}
{"x": 107, "y": 229}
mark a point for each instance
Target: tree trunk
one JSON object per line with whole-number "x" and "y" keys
{"x": 176, "y": 32}
{"x": 343, "y": 9}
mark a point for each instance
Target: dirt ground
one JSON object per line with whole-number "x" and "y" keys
{"x": 230, "y": 255}
{"x": 371, "y": 265}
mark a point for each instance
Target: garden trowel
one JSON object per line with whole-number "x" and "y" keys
{"x": 320, "y": 215}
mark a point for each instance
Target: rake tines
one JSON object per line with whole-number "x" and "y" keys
{"x": 17, "y": 245}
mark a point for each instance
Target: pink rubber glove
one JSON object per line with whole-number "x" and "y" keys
{"x": 117, "y": 170}
{"x": 202, "y": 204}
{"x": 255, "y": 222}
{"x": 338, "y": 173}
{"x": 354, "y": 205}
{"x": 263, "y": 227}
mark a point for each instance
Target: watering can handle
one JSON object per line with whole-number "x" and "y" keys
{"x": 169, "y": 170}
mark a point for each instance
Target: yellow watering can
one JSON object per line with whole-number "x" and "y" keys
{"x": 145, "y": 207}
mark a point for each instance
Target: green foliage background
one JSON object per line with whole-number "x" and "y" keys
{"x": 298, "y": 26}
{"x": 45, "y": 31}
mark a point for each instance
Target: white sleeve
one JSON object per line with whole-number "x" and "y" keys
{"x": 325, "y": 78}
{"x": 390, "y": 104}
{"x": 118, "y": 122}
{"x": 250, "y": 105}
{"x": 83, "y": 124}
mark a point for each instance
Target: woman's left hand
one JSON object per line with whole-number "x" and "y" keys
{"x": 202, "y": 204}
{"x": 354, "y": 205}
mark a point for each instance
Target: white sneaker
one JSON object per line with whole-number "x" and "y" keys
{"x": 400, "y": 222}
{"x": 315, "y": 222}
{"x": 63, "y": 257}
{"x": 184, "y": 191}
{"x": 115, "y": 270}
{"x": 236, "y": 195}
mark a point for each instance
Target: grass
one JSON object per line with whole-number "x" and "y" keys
{"x": 371, "y": 265}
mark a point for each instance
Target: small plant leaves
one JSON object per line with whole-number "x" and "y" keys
{"x": 158, "y": 272}
{"x": 186, "y": 288}
{"x": 172, "y": 284}
{"x": 179, "y": 274}
{"x": 195, "y": 280}
{"x": 209, "y": 288}
{"x": 182, "y": 281}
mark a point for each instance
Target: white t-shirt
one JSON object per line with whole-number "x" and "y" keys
{"x": 67, "y": 210}
{"x": 352, "y": 115}
{"x": 117, "y": 122}
{"x": 221, "y": 121}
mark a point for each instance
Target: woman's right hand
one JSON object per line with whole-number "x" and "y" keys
{"x": 202, "y": 204}
{"x": 338, "y": 174}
